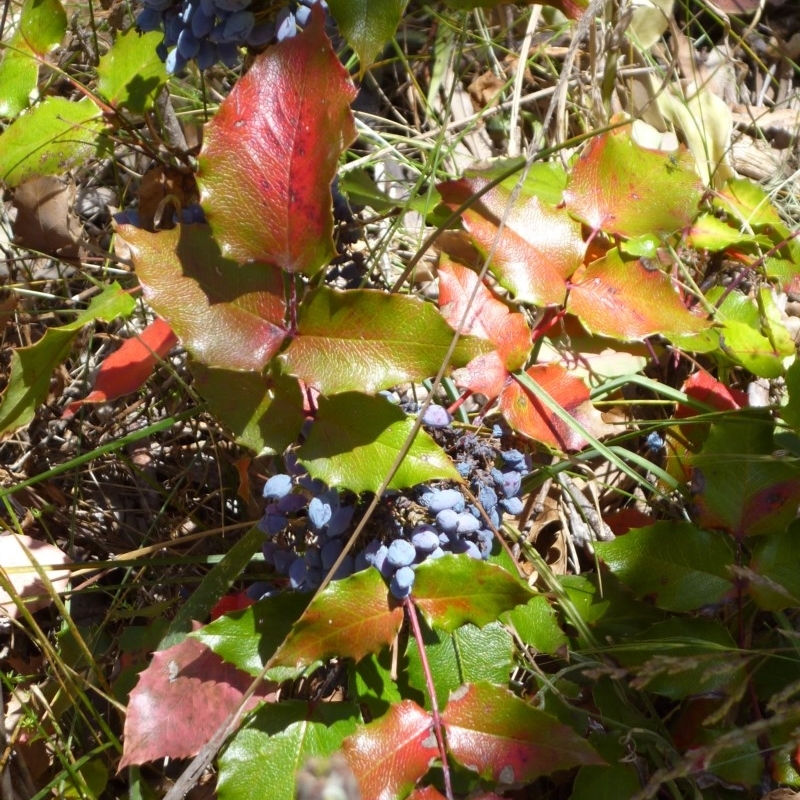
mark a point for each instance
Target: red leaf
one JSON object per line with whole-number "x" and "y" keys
{"x": 526, "y": 414}
{"x": 390, "y": 755}
{"x": 180, "y": 701}
{"x": 622, "y": 188}
{"x": 460, "y": 292}
{"x": 705, "y": 388}
{"x": 230, "y": 602}
{"x": 504, "y": 739}
{"x": 271, "y": 152}
{"x": 127, "y": 369}
{"x": 538, "y": 248}
{"x": 627, "y": 300}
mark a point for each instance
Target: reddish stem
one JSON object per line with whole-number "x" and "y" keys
{"x": 411, "y": 610}
{"x": 451, "y": 410}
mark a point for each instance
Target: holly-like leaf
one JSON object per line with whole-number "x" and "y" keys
{"x": 774, "y": 570}
{"x": 356, "y": 438}
{"x": 367, "y": 25}
{"x": 629, "y": 300}
{"x": 351, "y": 618}
{"x": 741, "y": 486}
{"x": 677, "y": 565}
{"x": 471, "y": 308}
{"x": 53, "y": 137}
{"x": 506, "y": 740}
{"x": 265, "y": 413}
{"x": 126, "y": 370}
{"x": 622, "y": 188}
{"x": 19, "y": 73}
{"x": 391, "y": 754}
{"x": 131, "y": 74}
{"x": 367, "y": 340}
{"x": 268, "y": 755}
{"x": 536, "y": 625}
{"x": 270, "y": 154}
{"x": 226, "y": 315}
{"x": 528, "y": 415}
{"x": 179, "y": 702}
{"x": 539, "y": 245}
{"x": 249, "y": 638}
{"x": 454, "y": 590}
{"x": 468, "y": 655}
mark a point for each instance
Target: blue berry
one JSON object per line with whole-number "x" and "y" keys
{"x": 436, "y": 416}
{"x": 401, "y": 583}
{"x": 401, "y": 554}
{"x": 425, "y": 539}
{"x": 277, "y": 486}
{"x": 513, "y": 505}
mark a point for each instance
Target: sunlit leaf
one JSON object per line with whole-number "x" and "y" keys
{"x": 367, "y": 340}
{"x": 391, "y": 754}
{"x": 471, "y": 308}
{"x": 629, "y": 300}
{"x": 622, "y": 188}
{"x": 351, "y": 618}
{"x": 270, "y": 154}
{"x": 226, "y": 315}
{"x": 455, "y": 589}
{"x": 19, "y": 578}
{"x": 131, "y": 74}
{"x": 528, "y": 415}
{"x": 539, "y": 245}
{"x": 507, "y": 740}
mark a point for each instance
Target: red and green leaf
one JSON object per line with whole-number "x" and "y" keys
{"x": 226, "y": 315}
{"x": 469, "y": 306}
{"x": 271, "y": 152}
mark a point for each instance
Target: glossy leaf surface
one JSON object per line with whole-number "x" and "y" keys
{"x": 622, "y": 188}
{"x": 226, "y": 315}
{"x": 391, "y": 754}
{"x": 676, "y": 565}
{"x": 456, "y": 589}
{"x": 528, "y": 415}
{"x": 628, "y": 300}
{"x": 367, "y": 25}
{"x": 538, "y": 248}
{"x": 505, "y": 739}
{"x": 356, "y": 438}
{"x": 351, "y": 618}
{"x": 367, "y": 340}
{"x": 131, "y": 74}
{"x": 270, "y": 153}
{"x": 470, "y": 307}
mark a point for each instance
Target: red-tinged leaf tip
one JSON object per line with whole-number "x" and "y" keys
{"x": 705, "y": 388}
{"x": 468, "y": 305}
{"x": 180, "y": 701}
{"x": 271, "y": 152}
{"x": 528, "y": 415}
{"x": 391, "y": 754}
{"x": 127, "y": 369}
{"x": 504, "y": 739}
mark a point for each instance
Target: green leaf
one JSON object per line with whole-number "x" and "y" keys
{"x": 355, "y": 439}
{"x": 249, "y": 638}
{"x": 505, "y": 739}
{"x": 467, "y": 655}
{"x": 376, "y": 683}
{"x": 774, "y": 570}
{"x": 214, "y": 584}
{"x": 43, "y": 24}
{"x": 677, "y": 565}
{"x": 622, "y": 188}
{"x": 606, "y": 783}
{"x": 350, "y": 619}
{"x": 19, "y": 73}
{"x": 367, "y": 25}
{"x": 710, "y": 233}
{"x": 367, "y": 340}
{"x": 131, "y": 74}
{"x": 537, "y": 626}
{"x": 51, "y": 139}
{"x": 264, "y": 414}
{"x": 265, "y": 756}
{"x": 455, "y": 590}
{"x": 791, "y": 411}
{"x": 226, "y": 315}
{"x": 742, "y": 487}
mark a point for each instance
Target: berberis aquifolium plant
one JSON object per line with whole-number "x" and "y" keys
{"x": 520, "y": 530}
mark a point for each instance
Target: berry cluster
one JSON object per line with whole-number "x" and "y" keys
{"x": 208, "y": 31}
{"x": 299, "y": 505}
